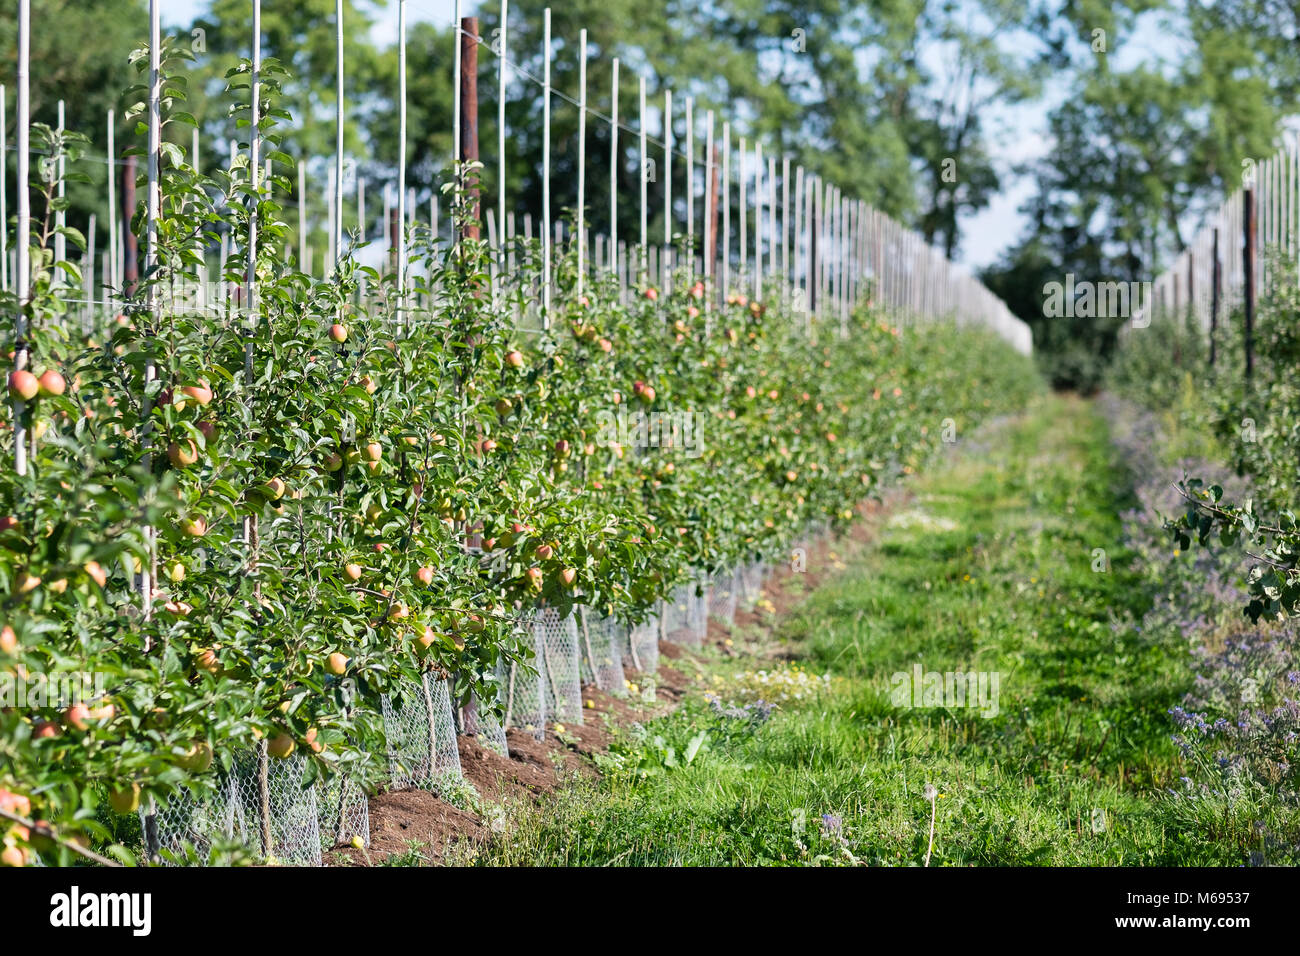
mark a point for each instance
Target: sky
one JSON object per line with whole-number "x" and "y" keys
{"x": 1019, "y": 135}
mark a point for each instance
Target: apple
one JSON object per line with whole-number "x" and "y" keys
{"x": 28, "y": 583}
{"x": 59, "y": 586}
{"x": 195, "y": 527}
{"x": 7, "y": 522}
{"x": 534, "y": 576}
{"x": 125, "y": 799}
{"x": 488, "y": 445}
{"x": 337, "y": 664}
{"x": 274, "y": 489}
{"x": 97, "y": 573}
{"x": 310, "y": 740}
{"x": 200, "y": 393}
{"x": 374, "y": 451}
{"x": 105, "y": 711}
{"x": 209, "y": 431}
{"x": 14, "y": 803}
{"x": 8, "y": 640}
{"x": 651, "y": 293}
{"x": 424, "y": 575}
{"x": 198, "y": 758}
{"x": 14, "y": 856}
{"x": 77, "y": 717}
{"x": 399, "y": 612}
{"x": 52, "y": 383}
{"x": 544, "y": 551}
{"x": 504, "y": 407}
{"x": 339, "y": 333}
{"x": 43, "y": 729}
{"x": 182, "y": 456}
{"x": 515, "y": 359}
{"x": 648, "y": 394}
{"x": 606, "y": 345}
{"x": 562, "y": 449}
{"x": 333, "y": 461}
{"x": 568, "y": 576}
{"x": 368, "y": 384}
{"x": 23, "y": 384}
{"x": 281, "y": 745}
{"x": 206, "y": 660}
{"x": 751, "y": 391}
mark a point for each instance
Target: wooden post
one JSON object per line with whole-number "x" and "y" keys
{"x": 1248, "y": 227}
{"x": 468, "y": 119}
{"x": 1214, "y": 294}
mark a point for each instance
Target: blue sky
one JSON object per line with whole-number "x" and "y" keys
{"x": 1018, "y": 135}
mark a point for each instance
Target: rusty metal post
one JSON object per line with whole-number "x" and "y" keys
{"x": 468, "y": 147}
{"x": 130, "y": 257}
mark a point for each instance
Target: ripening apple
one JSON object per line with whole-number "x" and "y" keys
{"x": 97, "y": 573}
{"x": 182, "y": 456}
{"x": 374, "y": 512}
{"x": 23, "y": 384}
{"x": 339, "y": 333}
{"x": 13, "y": 856}
{"x": 562, "y": 449}
{"x": 424, "y": 575}
{"x": 125, "y": 799}
{"x": 274, "y": 489}
{"x": 310, "y": 740}
{"x": 568, "y": 577}
{"x": 374, "y": 451}
{"x": 399, "y": 612}
{"x": 8, "y": 640}
{"x": 534, "y": 576}
{"x": 28, "y": 583}
{"x": 606, "y": 345}
{"x": 52, "y": 383}
{"x": 488, "y": 445}
{"x": 77, "y": 717}
{"x": 368, "y": 384}
{"x": 7, "y": 522}
{"x": 651, "y": 293}
{"x": 515, "y": 359}
{"x": 195, "y": 527}
{"x": 207, "y": 660}
{"x": 59, "y": 586}
{"x": 209, "y": 431}
{"x": 200, "y": 393}
{"x": 544, "y": 551}
{"x": 280, "y": 746}
{"x": 198, "y": 758}
{"x": 504, "y": 407}
{"x": 333, "y": 461}
{"x": 337, "y": 664}
{"x": 648, "y": 394}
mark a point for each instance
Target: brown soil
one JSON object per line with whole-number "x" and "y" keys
{"x": 538, "y": 767}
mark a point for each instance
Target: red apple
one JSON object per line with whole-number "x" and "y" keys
{"x": 568, "y": 576}
{"x": 195, "y": 527}
{"x": 544, "y": 551}
{"x": 23, "y": 384}
{"x": 339, "y": 333}
{"x": 651, "y": 293}
{"x": 515, "y": 359}
{"x": 424, "y": 575}
{"x": 200, "y": 393}
{"x": 534, "y": 576}
{"x": 77, "y": 717}
{"x": 374, "y": 451}
{"x": 353, "y": 571}
{"x": 97, "y": 573}
{"x": 52, "y": 383}
{"x": 368, "y": 384}
{"x": 182, "y": 456}
{"x": 8, "y": 640}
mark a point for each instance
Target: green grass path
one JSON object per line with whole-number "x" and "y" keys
{"x": 990, "y": 567}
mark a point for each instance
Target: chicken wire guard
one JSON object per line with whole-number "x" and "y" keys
{"x": 524, "y": 688}
{"x": 603, "y": 640}
{"x": 722, "y": 597}
{"x": 559, "y": 662}
{"x": 686, "y": 615}
{"x": 279, "y": 821}
{"x": 643, "y": 645}
{"x": 479, "y": 720}
{"x": 421, "y": 732}
{"x": 750, "y": 581}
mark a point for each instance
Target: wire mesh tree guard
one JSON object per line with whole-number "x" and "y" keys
{"x": 722, "y": 596}
{"x": 603, "y": 640}
{"x": 421, "y": 732}
{"x": 560, "y": 663}
{"x": 686, "y": 614}
{"x": 480, "y": 720}
{"x": 643, "y": 645}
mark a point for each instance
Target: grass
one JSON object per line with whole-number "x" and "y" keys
{"x": 1006, "y": 561}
